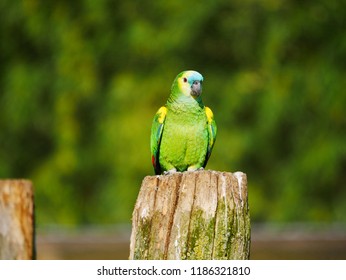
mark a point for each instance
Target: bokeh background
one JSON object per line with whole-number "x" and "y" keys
{"x": 80, "y": 82}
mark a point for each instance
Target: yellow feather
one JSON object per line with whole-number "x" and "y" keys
{"x": 210, "y": 115}
{"x": 162, "y": 114}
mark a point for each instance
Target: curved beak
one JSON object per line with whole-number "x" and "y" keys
{"x": 196, "y": 88}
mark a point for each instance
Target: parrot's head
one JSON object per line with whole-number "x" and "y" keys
{"x": 189, "y": 83}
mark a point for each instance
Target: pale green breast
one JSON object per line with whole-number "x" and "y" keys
{"x": 184, "y": 140}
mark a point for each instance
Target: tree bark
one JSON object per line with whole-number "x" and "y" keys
{"x": 192, "y": 215}
{"x": 16, "y": 220}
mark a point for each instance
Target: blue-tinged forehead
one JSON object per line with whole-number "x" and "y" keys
{"x": 191, "y": 76}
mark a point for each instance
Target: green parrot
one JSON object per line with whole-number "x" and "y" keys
{"x": 183, "y": 132}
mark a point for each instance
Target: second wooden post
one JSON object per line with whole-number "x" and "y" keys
{"x": 17, "y": 239}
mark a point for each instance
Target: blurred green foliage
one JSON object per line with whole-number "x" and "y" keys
{"x": 81, "y": 81}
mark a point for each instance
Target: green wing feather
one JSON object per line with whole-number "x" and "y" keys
{"x": 212, "y": 130}
{"x": 155, "y": 139}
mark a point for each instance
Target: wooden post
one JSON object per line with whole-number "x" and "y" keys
{"x": 192, "y": 215}
{"x": 16, "y": 220}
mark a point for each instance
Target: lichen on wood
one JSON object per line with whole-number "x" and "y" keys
{"x": 192, "y": 215}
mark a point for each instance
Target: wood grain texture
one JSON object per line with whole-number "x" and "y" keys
{"x": 192, "y": 215}
{"x": 16, "y": 220}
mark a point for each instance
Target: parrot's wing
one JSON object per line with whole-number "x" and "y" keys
{"x": 155, "y": 139}
{"x": 212, "y": 129}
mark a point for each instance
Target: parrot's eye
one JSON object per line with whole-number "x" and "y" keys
{"x": 185, "y": 80}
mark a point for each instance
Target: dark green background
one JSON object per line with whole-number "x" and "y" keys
{"x": 80, "y": 82}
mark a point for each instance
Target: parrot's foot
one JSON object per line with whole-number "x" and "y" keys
{"x": 194, "y": 168}
{"x": 171, "y": 171}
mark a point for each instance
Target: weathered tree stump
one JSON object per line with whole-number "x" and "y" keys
{"x": 16, "y": 220}
{"x": 192, "y": 215}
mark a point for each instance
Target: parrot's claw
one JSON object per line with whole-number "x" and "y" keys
{"x": 193, "y": 168}
{"x": 171, "y": 171}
